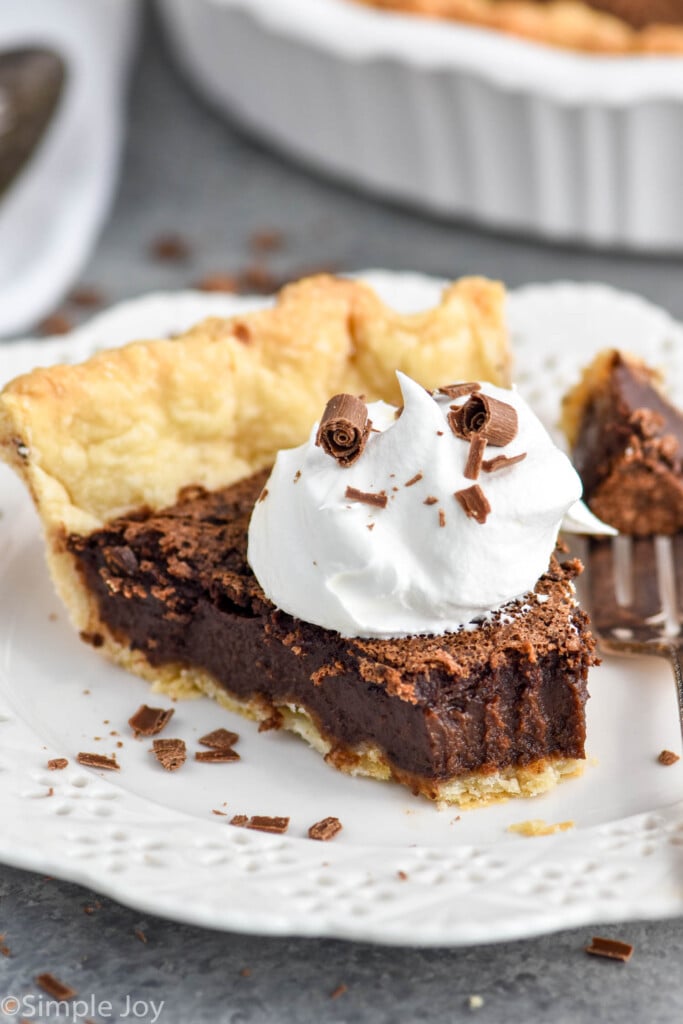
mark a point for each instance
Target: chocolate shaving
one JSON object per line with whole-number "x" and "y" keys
{"x": 266, "y": 241}
{"x": 219, "y": 739}
{"x": 442, "y": 517}
{"x": 339, "y": 991}
{"x": 501, "y": 462}
{"x": 431, "y": 500}
{"x": 56, "y": 323}
{"x": 261, "y": 823}
{"x": 611, "y": 948}
{"x": 171, "y": 754}
{"x": 480, "y": 414}
{"x": 474, "y": 503}
{"x": 54, "y": 987}
{"x": 475, "y": 457}
{"x": 223, "y": 756}
{"x": 150, "y": 721}
{"x": 326, "y": 829}
{"x": 458, "y": 390}
{"x": 263, "y": 495}
{"x": 367, "y": 497}
{"x": 139, "y": 934}
{"x": 56, "y": 764}
{"x": 170, "y": 248}
{"x": 98, "y": 761}
{"x": 667, "y": 757}
{"x": 413, "y": 480}
{"x": 86, "y": 296}
{"x": 218, "y": 282}
{"x": 344, "y": 429}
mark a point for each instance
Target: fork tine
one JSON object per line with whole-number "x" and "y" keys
{"x": 678, "y": 566}
{"x": 666, "y": 581}
{"x": 647, "y": 591}
{"x": 623, "y": 589}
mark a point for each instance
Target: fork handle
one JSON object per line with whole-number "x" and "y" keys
{"x": 674, "y": 655}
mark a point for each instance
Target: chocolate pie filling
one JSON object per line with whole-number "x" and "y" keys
{"x": 176, "y": 585}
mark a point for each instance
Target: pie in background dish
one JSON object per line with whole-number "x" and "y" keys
{"x": 626, "y": 441}
{"x": 144, "y": 463}
{"x": 597, "y": 26}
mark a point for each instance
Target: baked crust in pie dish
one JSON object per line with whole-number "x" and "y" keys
{"x": 616, "y": 27}
{"x": 107, "y": 447}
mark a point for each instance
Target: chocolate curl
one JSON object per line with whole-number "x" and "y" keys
{"x": 344, "y": 429}
{"x": 481, "y": 414}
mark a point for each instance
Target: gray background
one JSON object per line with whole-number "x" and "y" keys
{"x": 187, "y": 171}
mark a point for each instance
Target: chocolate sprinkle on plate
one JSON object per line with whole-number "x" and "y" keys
{"x": 431, "y": 500}
{"x": 221, "y": 756}
{"x": 219, "y": 739}
{"x": 413, "y": 480}
{"x": 149, "y": 721}
{"x": 261, "y": 823}
{"x": 54, "y": 987}
{"x": 667, "y": 757}
{"x": 474, "y": 503}
{"x": 442, "y": 517}
{"x": 367, "y": 497}
{"x": 98, "y": 761}
{"x": 326, "y": 829}
{"x": 56, "y": 764}
{"x": 171, "y": 754}
{"x": 611, "y": 948}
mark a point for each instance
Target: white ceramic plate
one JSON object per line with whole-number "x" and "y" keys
{"x": 150, "y": 839}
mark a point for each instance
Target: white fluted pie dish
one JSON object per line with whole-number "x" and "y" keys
{"x": 456, "y": 120}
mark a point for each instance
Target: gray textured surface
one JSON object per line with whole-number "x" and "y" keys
{"x": 186, "y": 171}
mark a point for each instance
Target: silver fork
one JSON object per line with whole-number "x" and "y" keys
{"x": 635, "y": 598}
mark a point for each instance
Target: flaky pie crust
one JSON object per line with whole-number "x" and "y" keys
{"x": 564, "y": 23}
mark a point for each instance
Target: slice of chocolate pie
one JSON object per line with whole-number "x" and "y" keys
{"x": 627, "y": 445}
{"x": 146, "y": 464}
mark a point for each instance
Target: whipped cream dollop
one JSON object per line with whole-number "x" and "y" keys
{"x": 416, "y": 562}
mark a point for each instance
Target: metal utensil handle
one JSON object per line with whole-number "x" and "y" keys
{"x": 674, "y": 654}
